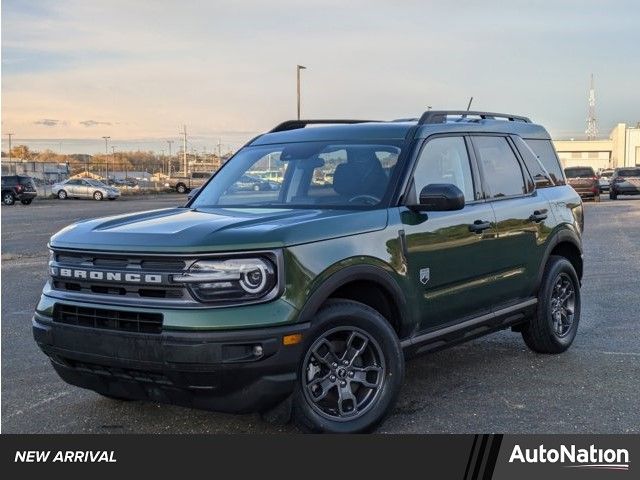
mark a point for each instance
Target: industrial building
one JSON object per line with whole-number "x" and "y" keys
{"x": 621, "y": 149}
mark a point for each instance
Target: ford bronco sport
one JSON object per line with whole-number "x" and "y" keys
{"x": 429, "y": 232}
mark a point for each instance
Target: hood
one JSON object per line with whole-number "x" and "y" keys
{"x": 188, "y": 230}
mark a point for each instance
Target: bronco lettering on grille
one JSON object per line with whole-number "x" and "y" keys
{"x": 100, "y": 275}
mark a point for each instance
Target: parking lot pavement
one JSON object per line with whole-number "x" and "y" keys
{"x": 493, "y": 384}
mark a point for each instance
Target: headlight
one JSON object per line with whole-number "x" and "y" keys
{"x": 230, "y": 279}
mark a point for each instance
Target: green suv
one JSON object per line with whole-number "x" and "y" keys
{"x": 375, "y": 241}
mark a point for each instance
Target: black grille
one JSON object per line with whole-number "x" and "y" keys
{"x": 122, "y": 373}
{"x": 139, "y": 322}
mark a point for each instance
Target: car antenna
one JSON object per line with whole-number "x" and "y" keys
{"x": 469, "y": 104}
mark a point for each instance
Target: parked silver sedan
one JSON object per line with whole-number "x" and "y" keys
{"x": 84, "y": 188}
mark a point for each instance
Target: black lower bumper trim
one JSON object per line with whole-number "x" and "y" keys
{"x": 232, "y": 371}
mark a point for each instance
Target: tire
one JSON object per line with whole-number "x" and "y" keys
{"x": 26, "y": 201}
{"x": 378, "y": 362}
{"x": 62, "y": 195}
{"x": 112, "y": 198}
{"x": 98, "y": 196}
{"x": 546, "y": 332}
{"x": 613, "y": 195}
{"x": 8, "y": 198}
{"x": 256, "y": 188}
{"x": 181, "y": 188}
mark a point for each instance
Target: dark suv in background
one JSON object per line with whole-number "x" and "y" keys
{"x": 383, "y": 240}
{"x": 624, "y": 181}
{"x": 18, "y": 188}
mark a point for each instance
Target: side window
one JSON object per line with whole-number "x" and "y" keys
{"x": 445, "y": 160}
{"x": 502, "y": 173}
{"x": 547, "y": 155}
{"x": 539, "y": 174}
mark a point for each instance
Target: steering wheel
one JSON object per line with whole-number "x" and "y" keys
{"x": 369, "y": 199}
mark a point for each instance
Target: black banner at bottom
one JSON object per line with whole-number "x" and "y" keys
{"x": 465, "y": 457}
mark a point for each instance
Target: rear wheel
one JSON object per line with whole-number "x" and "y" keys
{"x": 555, "y": 323}
{"x": 8, "y": 198}
{"x": 351, "y": 372}
{"x": 181, "y": 188}
{"x": 62, "y": 195}
{"x": 26, "y": 201}
{"x": 97, "y": 196}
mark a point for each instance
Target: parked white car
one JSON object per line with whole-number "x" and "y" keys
{"x": 84, "y": 188}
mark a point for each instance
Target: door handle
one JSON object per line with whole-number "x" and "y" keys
{"x": 538, "y": 215}
{"x": 479, "y": 226}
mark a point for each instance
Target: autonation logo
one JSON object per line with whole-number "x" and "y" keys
{"x": 573, "y": 457}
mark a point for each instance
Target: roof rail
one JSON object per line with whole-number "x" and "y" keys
{"x": 440, "y": 116}
{"x": 295, "y": 124}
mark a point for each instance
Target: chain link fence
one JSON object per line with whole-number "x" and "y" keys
{"x": 144, "y": 178}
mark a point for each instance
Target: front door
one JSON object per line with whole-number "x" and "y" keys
{"x": 450, "y": 254}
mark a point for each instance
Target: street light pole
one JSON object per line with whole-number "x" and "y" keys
{"x": 106, "y": 160}
{"x": 298, "y": 68}
{"x": 169, "y": 163}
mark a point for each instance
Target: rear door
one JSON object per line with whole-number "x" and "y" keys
{"x": 522, "y": 216}
{"x": 449, "y": 254}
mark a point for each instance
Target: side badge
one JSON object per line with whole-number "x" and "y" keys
{"x": 425, "y": 275}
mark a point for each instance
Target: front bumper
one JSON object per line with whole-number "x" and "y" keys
{"x": 213, "y": 370}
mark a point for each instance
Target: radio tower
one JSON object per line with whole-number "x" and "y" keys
{"x": 592, "y": 125}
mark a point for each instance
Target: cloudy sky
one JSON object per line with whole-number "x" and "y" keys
{"x": 139, "y": 69}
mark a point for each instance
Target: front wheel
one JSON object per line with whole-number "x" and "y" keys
{"x": 351, "y": 371}
{"x": 97, "y": 196}
{"x": 555, "y": 323}
{"x": 62, "y": 195}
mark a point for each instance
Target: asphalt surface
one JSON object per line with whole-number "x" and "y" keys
{"x": 493, "y": 384}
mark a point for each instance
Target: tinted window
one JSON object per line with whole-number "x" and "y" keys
{"x": 545, "y": 152}
{"x": 445, "y": 160}
{"x": 502, "y": 172}
{"x": 579, "y": 172}
{"x": 533, "y": 164}
{"x": 629, "y": 172}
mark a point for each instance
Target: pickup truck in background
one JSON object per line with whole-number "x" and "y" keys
{"x": 184, "y": 184}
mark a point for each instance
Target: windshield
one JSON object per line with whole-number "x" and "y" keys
{"x": 579, "y": 172}
{"x": 96, "y": 183}
{"x": 310, "y": 174}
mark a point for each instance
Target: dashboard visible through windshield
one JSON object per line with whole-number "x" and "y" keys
{"x": 309, "y": 174}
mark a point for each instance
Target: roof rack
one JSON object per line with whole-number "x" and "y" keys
{"x": 295, "y": 124}
{"x": 440, "y": 116}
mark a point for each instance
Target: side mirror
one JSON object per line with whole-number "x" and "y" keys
{"x": 437, "y": 197}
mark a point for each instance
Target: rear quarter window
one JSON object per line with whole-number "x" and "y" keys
{"x": 547, "y": 155}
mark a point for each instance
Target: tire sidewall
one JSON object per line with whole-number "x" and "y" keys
{"x": 10, "y": 197}
{"x": 353, "y": 314}
{"x": 558, "y": 266}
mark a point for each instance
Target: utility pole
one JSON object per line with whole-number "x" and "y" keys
{"x": 169, "y": 166}
{"x": 9, "y": 135}
{"x": 184, "y": 149}
{"x": 106, "y": 160}
{"x": 592, "y": 123}
{"x": 298, "y": 68}
{"x": 220, "y": 152}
